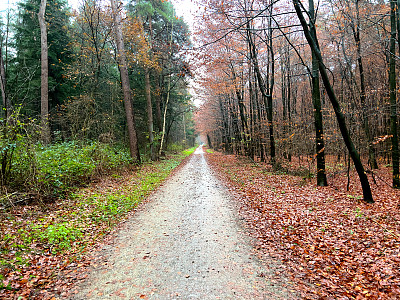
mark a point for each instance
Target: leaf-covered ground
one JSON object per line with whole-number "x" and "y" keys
{"x": 43, "y": 245}
{"x": 331, "y": 244}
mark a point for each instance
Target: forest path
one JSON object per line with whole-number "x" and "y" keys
{"x": 185, "y": 243}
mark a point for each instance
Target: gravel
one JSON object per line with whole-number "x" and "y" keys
{"x": 185, "y": 243}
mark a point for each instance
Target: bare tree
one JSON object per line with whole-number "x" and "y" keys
{"x": 316, "y": 98}
{"x": 393, "y": 96}
{"x": 312, "y": 41}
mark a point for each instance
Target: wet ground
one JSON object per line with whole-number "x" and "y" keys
{"x": 185, "y": 243}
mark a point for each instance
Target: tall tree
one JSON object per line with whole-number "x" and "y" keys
{"x": 335, "y": 104}
{"x": 44, "y": 87}
{"x": 392, "y": 94}
{"x": 123, "y": 68}
{"x": 316, "y": 99}
{"x": 24, "y": 67}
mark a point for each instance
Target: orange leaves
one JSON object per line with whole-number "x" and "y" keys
{"x": 332, "y": 246}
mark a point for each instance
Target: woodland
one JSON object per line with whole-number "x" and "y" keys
{"x": 303, "y": 96}
{"x": 299, "y": 111}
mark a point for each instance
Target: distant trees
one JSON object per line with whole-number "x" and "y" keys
{"x": 96, "y": 60}
{"x": 261, "y": 45}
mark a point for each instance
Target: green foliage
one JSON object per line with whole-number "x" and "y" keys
{"x": 189, "y": 151}
{"x": 52, "y": 169}
{"x": 15, "y": 148}
{"x": 67, "y": 164}
{"x": 57, "y": 237}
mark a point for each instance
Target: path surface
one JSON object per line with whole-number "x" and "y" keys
{"x": 185, "y": 243}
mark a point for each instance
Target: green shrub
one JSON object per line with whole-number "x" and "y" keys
{"x": 67, "y": 164}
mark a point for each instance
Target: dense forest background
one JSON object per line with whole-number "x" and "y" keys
{"x": 279, "y": 80}
{"x": 313, "y": 82}
{"x": 80, "y": 88}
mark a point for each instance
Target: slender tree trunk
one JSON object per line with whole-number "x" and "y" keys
{"x": 356, "y": 34}
{"x": 393, "y": 96}
{"x": 158, "y": 111}
{"x": 316, "y": 98}
{"x": 270, "y": 89}
{"x": 336, "y": 106}
{"x": 265, "y": 86}
{"x": 44, "y": 86}
{"x": 122, "y": 64}
{"x": 150, "y": 126}
{"x": 242, "y": 111}
{"x": 168, "y": 95}
{"x": 209, "y": 142}
{"x": 3, "y": 84}
{"x": 3, "y": 64}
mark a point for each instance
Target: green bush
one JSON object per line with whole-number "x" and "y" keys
{"x": 54, "y": 169}
{"x": 189, "y": 151}
{"x": 67, "y": 164}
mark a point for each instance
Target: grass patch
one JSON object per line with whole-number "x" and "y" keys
{"x": 189, "y": 151}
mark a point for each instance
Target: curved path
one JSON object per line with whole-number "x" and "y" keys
{"x": 185, "y": 243}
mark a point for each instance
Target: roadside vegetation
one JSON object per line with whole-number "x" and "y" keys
{"x": 39, "y": 240}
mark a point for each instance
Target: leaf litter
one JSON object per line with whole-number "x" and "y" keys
{"x": 332, "y": 245}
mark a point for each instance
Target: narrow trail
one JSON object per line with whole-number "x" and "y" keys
{"x": 185, "y": 243}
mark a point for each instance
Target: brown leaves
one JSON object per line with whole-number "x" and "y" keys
{"x": 331, "y": 244}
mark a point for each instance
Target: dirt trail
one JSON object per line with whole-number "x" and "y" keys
{"x": 185, "y": 243}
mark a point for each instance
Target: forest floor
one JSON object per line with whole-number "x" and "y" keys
{"x": 331, "y": 244}
{"x": 44, "y": 245}
{"x": 279, "y": 236}
{"x": 185, "y": 242}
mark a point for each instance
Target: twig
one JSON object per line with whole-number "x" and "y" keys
{"x": 389, "y": 231}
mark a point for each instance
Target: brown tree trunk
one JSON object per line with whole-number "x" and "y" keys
{"x": 265, "y": 86}
{"x": 393, "y": 96}
{"x": 3, "y": 85}
{"x": 316, "y": 98}
{"x": 336, "y": 106}
{"x": 357, "y": 39}
{"x": 122, "y": 65}
{"x": 150, "y": 125}
{"x": 44, "y": 87}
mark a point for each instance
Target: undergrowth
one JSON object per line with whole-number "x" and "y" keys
{"x": 65, "y": 229}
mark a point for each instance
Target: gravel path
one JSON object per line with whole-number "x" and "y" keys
{"x": 186, "y": 243}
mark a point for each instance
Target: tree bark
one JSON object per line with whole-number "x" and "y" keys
{"x": 393, "y": 96}
{"x": 357, "y": 39}
{"x": 3, "y": 85}
{"x": 122, "y": 65}
{"x": 316, "y": 99}
{"x": 336, "y": 106}
{"x": 265, "y": 86}
{"x": 44, "y": 86}
{"x": 150, "y": 126}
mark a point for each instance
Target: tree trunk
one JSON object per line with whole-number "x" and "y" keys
{"x": 3, "y": 85}
{"x": 356, "y": 34}
{"x": 316, "y": 98}
{"x": 265, "y": 86}
{"x": 392, "y": 97}
{"x": 336, "y": 107}
{"x": 150, "y": 126}
{"x": 209, "y": 142}
{"x": 122, "y": 65}
{"x": 44, "y": 86}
